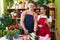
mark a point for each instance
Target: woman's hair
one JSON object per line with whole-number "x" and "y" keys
{"x": 47, "y": 10}
{"x": 34, "y": 3}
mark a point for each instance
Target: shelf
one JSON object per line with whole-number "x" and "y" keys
{"x": 11, "y": 10}
{"x": 15, "y": 9}
{"x": 16, "y": 18}
{"x": 52, "y": 8}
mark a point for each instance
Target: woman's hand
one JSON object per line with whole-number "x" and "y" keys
{"x": 35, "y": 29}
{"x": 40, "y": 26}
{"x": 46, "y": 22}
{"x": 25, "y": 31}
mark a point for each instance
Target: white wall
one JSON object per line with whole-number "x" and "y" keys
{"x": 1, "y": 6}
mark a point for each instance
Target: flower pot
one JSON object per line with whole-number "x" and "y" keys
{"x": 16, "y": 36}
{"x": 10, "y": 37}
{"x": 6, "y": 36}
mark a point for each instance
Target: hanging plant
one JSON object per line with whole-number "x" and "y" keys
{"x": 10, "y": 2}
{"x": 42, "y": 2}
{"x": 7, "y": 3}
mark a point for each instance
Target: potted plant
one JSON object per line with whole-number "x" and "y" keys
{"x": 10, "y": 34}
{"x": 5, "y": 33}
{"x": 16, "y": 33}
{"x": 13, "y": 33}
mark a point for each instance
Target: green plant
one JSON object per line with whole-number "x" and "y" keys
{"x": 5, "y": 32}
{"x": 30, "y": 1}
{"x": 41, "y": 2}
{"x": 16, "y": 31}
{"x": 7, "y": 3}
{"x": 10, "y": 33}
{"x": 6, "y": 21}
{"x": 0, "y": 33}
{"x": 10, "y": 2}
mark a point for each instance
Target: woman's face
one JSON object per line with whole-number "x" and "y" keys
{"x": 31, "y": 6}
{"x": 42, "y": 10}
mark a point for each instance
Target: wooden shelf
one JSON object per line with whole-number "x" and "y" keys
{"x": 11, "y": 10}
{"x": 16, "y": 18}
{"x": 52, "y": 8}
{"x": 15, "y": 9}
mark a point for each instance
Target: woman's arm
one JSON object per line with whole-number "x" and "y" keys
{"x": 22, "y": 20}
{"x": 48, "y": 23}
{"x": 35, "y": 22}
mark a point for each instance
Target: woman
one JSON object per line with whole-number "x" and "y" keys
{"x": 29, "y": 20}
{"x": 44, "y": 23}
